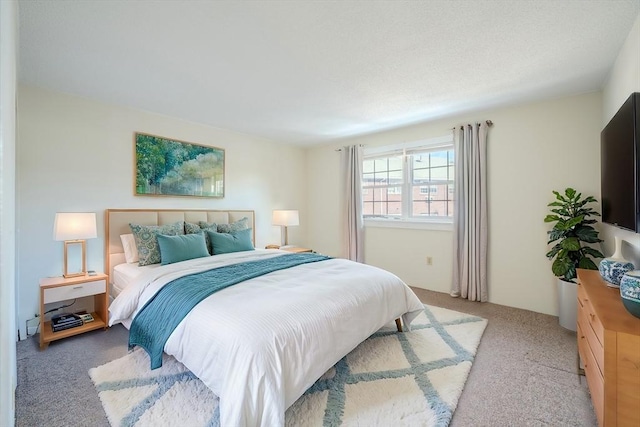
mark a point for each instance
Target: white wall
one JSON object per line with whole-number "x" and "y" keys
{"x": 77, "y": 155}
{"x": 8, "y": 372}
{"x": 623, "y": 80}
{"x": 533, "y": 149}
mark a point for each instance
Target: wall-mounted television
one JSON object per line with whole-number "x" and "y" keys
{"x": 620, "y": 166}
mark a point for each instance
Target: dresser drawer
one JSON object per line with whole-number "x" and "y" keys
{"x": 589, "y": 335}
{"x": 594, "y": 378}
{"x": 62, "y": 293}
{"x": 589, "y": 312}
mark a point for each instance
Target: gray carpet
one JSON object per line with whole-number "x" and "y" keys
{"x": 524, "y": 373}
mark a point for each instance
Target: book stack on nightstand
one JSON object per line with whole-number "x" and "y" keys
{"x": 64, "y": 321}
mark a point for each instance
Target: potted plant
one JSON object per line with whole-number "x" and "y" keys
{"x": 572, "y": 218}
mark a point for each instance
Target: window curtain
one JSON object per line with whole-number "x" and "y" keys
{"x": 352, "y": 178}
{"x": 470, "y": 213}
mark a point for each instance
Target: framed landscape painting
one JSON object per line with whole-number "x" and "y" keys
{"x": 168, "y": 167}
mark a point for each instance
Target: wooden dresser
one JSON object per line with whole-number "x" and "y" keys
{"x": 609, "y": 347}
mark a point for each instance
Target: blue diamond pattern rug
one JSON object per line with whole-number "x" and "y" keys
{"x": 401, "y": 379}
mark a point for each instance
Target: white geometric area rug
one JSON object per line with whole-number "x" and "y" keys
{"x": 391, "y": 379}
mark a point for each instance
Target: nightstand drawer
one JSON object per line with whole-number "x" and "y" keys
{"x": 79, "y": 290}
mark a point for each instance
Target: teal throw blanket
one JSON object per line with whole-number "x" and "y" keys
{"x": 156, "y": 321}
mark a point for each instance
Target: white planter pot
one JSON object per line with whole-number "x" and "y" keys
{"x": 568, "y": 304}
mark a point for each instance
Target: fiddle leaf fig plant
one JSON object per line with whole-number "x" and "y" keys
{"x": 571, "y": 215}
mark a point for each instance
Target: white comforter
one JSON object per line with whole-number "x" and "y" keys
{"x": 260, "y": 344}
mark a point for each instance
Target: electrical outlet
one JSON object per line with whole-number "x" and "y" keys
{"x": 429, "y": 260}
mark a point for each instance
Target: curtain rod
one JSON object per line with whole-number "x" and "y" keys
{"x": 488, "y": 122}
{"x": 340, "y": 149}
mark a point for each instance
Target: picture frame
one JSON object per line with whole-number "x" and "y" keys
{"x": 170, "y": 167}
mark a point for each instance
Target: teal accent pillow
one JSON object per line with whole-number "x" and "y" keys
{"x": 181, "y": 248}
{"x": 146, "y": 237}
{"x": 191, "y": 228}
{"x": 241, "y": 224}
{"x": 237, "y": 241}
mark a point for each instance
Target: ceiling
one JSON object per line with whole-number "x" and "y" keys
{"x": 307, "y": 72}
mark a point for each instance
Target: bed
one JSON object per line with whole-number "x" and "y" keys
{"x": 261, "y": 343}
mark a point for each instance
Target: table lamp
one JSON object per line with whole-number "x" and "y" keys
{"x": 73, "y": 228}
{"x": 285, "y": 218}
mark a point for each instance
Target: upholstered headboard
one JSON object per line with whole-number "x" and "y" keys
{"x": 117, "y": 223}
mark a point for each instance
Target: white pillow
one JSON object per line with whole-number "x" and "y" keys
{"x": 130, "y": 249}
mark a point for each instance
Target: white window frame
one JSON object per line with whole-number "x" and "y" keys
{"x": 405, "y": 150}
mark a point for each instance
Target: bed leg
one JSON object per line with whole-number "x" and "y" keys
{"x": 399, "y": 325}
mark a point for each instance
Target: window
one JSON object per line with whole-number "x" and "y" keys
{"x": 383, "y": 181}
{"x": 435, "y": 168}
{"x": 410, "y": 182}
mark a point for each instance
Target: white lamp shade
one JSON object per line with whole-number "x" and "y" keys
{"x": 75, "y": 226}
{"x": 286, "y": 217}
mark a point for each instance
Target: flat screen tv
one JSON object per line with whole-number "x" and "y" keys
{"x": 620, "y": 166}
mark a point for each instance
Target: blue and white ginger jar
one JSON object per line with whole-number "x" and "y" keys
{"x": 630, "y": 292}
{"x": 613, "y": 268}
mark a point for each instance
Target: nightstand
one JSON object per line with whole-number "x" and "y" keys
{"x": 296, "y": 250}
{"x": 55, "y": 289}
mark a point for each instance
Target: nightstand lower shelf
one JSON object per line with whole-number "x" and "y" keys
{"x": 61, "y": 289}
{"x": 48, "y": 335}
